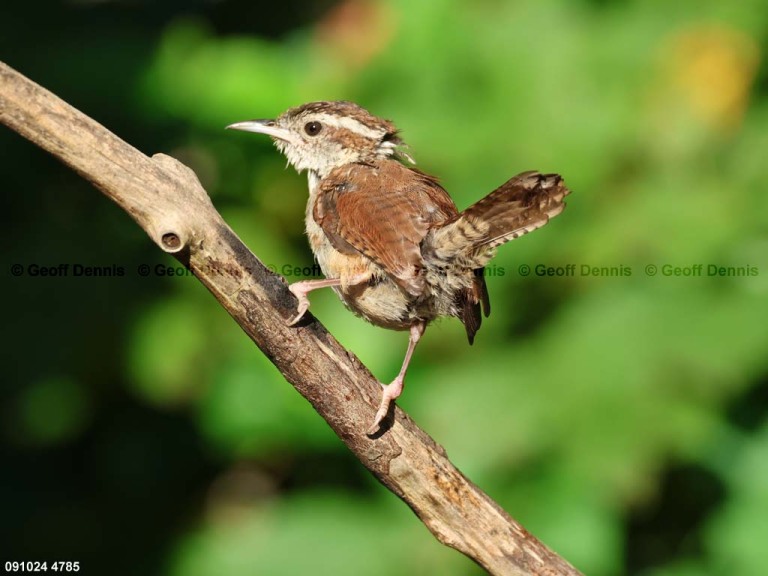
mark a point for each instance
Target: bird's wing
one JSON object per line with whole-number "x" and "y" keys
{"x": 383, "y": 210}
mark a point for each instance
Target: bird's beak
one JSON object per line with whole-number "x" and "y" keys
{"x": 268, "y": 127}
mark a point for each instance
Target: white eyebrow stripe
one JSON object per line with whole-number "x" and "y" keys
{"x": 350, "y": 124}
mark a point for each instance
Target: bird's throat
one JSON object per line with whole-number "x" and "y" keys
{"x": 314, "y": 181}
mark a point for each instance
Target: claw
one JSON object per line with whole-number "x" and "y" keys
{"x": 303, "y": 306}
{"x": 295, "y": 320}
{"x": 388, "y": 395}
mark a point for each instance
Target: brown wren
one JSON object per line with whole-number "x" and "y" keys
{"x": 388, "y": 237}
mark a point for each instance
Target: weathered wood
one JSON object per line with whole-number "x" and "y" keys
{"x": 166, "y": 199}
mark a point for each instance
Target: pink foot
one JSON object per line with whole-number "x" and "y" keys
{"x": 299, "y": 289}
{"x": 389, "y": 393}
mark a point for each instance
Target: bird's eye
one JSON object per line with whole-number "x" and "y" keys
{"x": 313, "y": 128}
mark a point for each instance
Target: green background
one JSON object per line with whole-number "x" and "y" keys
{"x": 621, "y": 419}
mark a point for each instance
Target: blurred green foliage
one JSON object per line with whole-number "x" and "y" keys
{"x": 621, "y": 419}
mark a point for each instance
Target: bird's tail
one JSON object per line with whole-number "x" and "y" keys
{"x": 520, "y": 205}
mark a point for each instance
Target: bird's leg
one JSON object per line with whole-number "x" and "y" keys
{"x": 304, "y": 287}
{"x": 391, "y": 391}
{"x": 301, "y": 289}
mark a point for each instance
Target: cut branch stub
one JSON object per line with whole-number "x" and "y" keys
{"x": 171, "y": 242}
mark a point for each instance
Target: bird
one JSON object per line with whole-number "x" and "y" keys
{"x": 388, "y": 238}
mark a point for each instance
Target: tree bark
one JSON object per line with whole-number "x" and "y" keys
{"x": 166, "y": 199}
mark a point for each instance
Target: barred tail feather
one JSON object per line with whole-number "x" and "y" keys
{"x": 520, "y": 205}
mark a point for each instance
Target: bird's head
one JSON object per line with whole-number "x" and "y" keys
{"x": 321, "y": 136}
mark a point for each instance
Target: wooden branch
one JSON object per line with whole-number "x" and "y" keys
{"x": 166, "y": 199}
